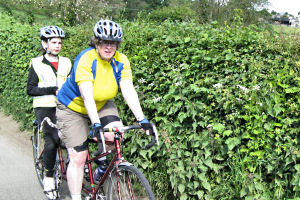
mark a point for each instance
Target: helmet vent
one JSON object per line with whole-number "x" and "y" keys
{"x": 51, "y": 31}
{"x": 108, "y": 30}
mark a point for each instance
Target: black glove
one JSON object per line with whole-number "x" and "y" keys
{"x": 147, "y": 126}
{"x": 95, "y": 130}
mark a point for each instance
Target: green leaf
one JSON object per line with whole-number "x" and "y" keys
{"x": 277, "y": 109}
{"x": 232, "y": 142}
{"x": 243, "y": 192}
{"x": 181, "y": 188}
{"x": 183, "y": 197}
{"x": 227, "y": 132}
{"x": 202, "y": 177}
{"x": 228, "y": 56}
{"x": 206, "y": 185}
{"x": 292, "y": 90}
{"x": 200, "y": 194}
{"x": 259, "y": 186}
{"x": 196, "y": 184}
{"x": 144, "y": 165}
{"x": 143, "y": 153}
{"x": 187, "y": 39}
{"x": 297, "y": 167}
{"x": 218, "y": 127}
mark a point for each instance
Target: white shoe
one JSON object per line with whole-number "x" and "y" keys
{"x": 76, "y": 197}
{"x": 49, "y": 188}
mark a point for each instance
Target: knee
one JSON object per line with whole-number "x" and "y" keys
{"x": 77, "y": 158}
{"x": 109, "y": 136}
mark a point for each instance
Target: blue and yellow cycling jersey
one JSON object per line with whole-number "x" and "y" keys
{"x": 105, "y": 76}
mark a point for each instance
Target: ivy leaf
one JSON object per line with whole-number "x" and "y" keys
{"x": 228, "y": 56}
{"x": 206, "y": 185}
{"x": 219, "y": 127}
{"x": 232, "y": 142}
{"x": 200, "y": 194}
{"x": 243, "y": 192}
{"x": 183, "y": 197}
{"x": 297, "y": 167}
{"x": 181, "y": 188}
{"x": 292, "y": 90}
{"x": 187, "y": 39}
{"x": 227, "y": 132}
{"x": 277, "y": 109}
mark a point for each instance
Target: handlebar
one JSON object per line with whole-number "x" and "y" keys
{"x": 100, "y": 136}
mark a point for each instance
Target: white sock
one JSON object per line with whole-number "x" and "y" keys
{"x": 76, "y": 196}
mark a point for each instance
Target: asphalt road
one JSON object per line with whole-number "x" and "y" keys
{"x": 18, "y": 180}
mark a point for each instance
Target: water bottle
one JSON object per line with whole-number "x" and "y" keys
{"x": 98, "y": 173}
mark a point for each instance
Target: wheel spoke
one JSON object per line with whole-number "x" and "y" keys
{"x": 129, "y": 184}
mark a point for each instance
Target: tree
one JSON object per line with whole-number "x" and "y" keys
{"x": 250, "y": 9}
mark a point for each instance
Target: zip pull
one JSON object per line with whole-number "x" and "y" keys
{"x": 115, "y": 65}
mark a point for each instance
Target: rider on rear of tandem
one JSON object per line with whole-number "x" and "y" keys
{"x": 46, "y": 75}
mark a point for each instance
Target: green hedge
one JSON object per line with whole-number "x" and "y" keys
{"x": 225, "y": 101}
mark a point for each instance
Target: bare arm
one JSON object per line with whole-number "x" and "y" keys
{"x": 131, "y": 98}
{"x": 86, "y": 91}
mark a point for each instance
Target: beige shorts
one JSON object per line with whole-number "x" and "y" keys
{"x": 74, "y": 127}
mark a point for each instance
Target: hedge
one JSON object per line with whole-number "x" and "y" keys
{"x": 225, "y": 101}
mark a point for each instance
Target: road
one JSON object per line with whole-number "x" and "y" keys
{"x": 18, "y": 180}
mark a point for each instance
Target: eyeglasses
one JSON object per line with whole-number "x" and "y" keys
{"x": 109, "y": 43}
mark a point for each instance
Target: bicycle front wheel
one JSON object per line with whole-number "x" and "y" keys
{"x": 38, "y": 144}
{"x": 128, "y": 183}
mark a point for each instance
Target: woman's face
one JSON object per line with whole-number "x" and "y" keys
{"x": 107, "y": 49}
{"x": 54, "y": 46}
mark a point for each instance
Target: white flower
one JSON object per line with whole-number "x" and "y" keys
{"x": 209, "y": 126}
{"x": 218, "y": 85}
{"x": 256, "y": 87}
{"x": 177, "y": 83}
{"x": 243, "y": 88}
{"x": 141, "y": 80}
{"x": 151, "y": 84}
{"x": 157, "y": 99}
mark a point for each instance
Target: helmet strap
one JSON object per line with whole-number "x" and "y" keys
{"x": 44, "y": 44}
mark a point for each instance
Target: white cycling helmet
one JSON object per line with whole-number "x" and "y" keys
{"x": 108, "y": 30}
{"x": 51, "y": 32}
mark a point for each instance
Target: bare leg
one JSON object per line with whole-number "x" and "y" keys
{"x": 75, "y": 170}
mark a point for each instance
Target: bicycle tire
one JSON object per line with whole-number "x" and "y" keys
{"x": 133, "y": 185}
{"x": 38, "y": 144}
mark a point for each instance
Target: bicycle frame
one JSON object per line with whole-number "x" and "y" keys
{"x": 89, "y": 189}
{"x": 114, "y": 163}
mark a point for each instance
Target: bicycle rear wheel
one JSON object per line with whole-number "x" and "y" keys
{"x": 130, "y": 184}
{"x": 38, "y": 144}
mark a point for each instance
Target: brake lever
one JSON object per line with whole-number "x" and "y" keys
{"x": 101, "y": 143}
{"x": 156, "y": 134}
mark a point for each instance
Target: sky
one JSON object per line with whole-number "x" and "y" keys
{"x": 290, "y": 6}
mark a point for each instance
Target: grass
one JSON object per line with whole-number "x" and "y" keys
{"x": 286, "y": 30}
{"x": 29, "y": 15}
